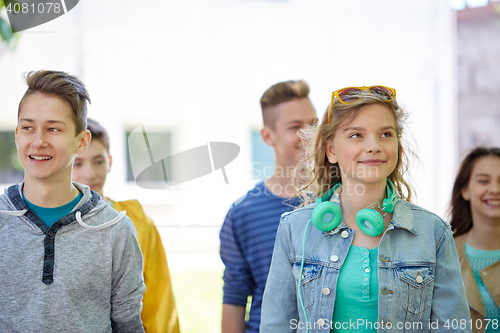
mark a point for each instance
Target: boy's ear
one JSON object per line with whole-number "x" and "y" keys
{"x": 267, "y": 135}
{"x": 330, "y": 154}
{"x": 84, "y": 140}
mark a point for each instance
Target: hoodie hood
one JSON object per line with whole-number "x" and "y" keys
{"x": 89, "y": 206}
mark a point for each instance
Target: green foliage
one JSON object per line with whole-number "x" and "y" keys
{"x": 6, "y": 34}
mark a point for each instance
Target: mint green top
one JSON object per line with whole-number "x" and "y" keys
{"x": 357, "y": 292}
{"x": 50, "y": 215}
{"x": 478, "y": 260}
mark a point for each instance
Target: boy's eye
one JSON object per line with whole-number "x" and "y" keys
{"x": 27, "y": 128}
{"x": 99, "y": 162}
{"x": 54, "y": 129}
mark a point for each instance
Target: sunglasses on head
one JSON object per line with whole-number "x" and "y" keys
{"x": 352, "y": 94}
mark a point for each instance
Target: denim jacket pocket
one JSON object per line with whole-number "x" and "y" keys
{"x": 417, "y": 284}
{"x": 309, "y": 281}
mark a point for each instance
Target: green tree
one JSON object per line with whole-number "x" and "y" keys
{"x": 6, "y": 34}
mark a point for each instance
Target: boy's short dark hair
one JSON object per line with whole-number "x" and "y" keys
{"x": 64, "y": 86}
{"x": 98, "y": 133}
{"x": 280, "y": 93}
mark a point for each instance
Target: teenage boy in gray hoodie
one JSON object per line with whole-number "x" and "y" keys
{"x": 68, "y": 261}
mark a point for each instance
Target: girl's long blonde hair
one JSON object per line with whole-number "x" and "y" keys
{"x": 315, "y": 174}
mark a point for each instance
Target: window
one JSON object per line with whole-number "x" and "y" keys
{"x": 145, "y": 150}
{"x": 11, "y": 170}
{"x": 262, "y": 157}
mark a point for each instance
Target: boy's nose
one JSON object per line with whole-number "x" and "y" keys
{"x": 39, "y": 142}
{"x": 88, "y": 172}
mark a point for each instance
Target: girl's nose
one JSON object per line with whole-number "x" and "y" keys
{"x": 372, "y": 145}
{"x": 495, "y": 186}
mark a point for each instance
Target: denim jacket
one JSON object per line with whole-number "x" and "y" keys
{"x": 420, "y": 283}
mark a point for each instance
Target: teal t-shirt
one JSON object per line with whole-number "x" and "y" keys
{"x": 478, "y": 260}
{"x": 357, "y": 292}
{"x": 51, "y": 215}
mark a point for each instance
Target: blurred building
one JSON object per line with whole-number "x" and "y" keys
{"x": 478, "y": 53}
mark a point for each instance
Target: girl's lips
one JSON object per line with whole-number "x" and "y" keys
{"x": 492, "y": 202}
{"x": 372, "y": 162}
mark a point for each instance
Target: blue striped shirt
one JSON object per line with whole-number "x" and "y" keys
{"x": 247, "y": 242}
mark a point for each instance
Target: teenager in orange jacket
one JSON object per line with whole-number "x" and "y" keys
{"x": 159, "y": 313}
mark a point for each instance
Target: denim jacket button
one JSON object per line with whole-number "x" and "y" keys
{"x": 334, "y": 258}
{"x": 326, "y": 291}
{"x": 321, "y": 322}
{"x": 419, "y": 279}
{"x": 345, "y": 234}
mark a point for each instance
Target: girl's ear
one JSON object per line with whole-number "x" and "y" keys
{"x": 466, "y": 193}
{"x": 110, "y": 162}
{"x": 330, "y": 152}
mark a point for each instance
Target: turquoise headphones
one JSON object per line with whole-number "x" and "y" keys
{"x": 326, "y": 215}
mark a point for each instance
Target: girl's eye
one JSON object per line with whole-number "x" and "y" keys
{"x": 387, "y": 135}
{"x": 355, "y": 136}
{"x": 483, "y": 181}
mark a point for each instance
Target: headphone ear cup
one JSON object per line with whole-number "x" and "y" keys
{"x": 370, "y": 222}
{"x": 326, "y": 216}
{"x": 388, "y": 205}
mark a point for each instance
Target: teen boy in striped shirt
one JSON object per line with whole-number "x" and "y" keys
{"x": 249, "y": 230}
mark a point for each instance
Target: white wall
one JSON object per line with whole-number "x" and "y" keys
{"x": 199, "y": 68}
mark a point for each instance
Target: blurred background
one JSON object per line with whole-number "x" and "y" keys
{"x": 193, "y": 71}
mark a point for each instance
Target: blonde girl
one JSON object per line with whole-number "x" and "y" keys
{"x": 362, "y": 258}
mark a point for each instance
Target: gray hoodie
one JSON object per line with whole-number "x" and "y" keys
{"x": 83, "y": 274}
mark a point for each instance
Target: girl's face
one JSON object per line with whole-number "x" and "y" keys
{"x": 366, "y": 149}
{"x": 483, "y": 190}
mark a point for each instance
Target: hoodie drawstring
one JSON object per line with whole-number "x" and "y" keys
{"x": 117, "y": 219}
{"x": 14, "y": 212}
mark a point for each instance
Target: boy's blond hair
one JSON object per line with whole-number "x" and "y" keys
{"x": 280, "y": 93}
{"x": 67, "y": 87}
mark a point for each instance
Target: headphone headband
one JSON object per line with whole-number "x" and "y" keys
{"x": 391, "y": 192}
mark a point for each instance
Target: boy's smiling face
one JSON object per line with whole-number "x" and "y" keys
{"x": 45, "y": 138}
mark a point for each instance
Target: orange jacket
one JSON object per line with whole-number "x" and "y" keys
{"x": 159, "y": 314}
